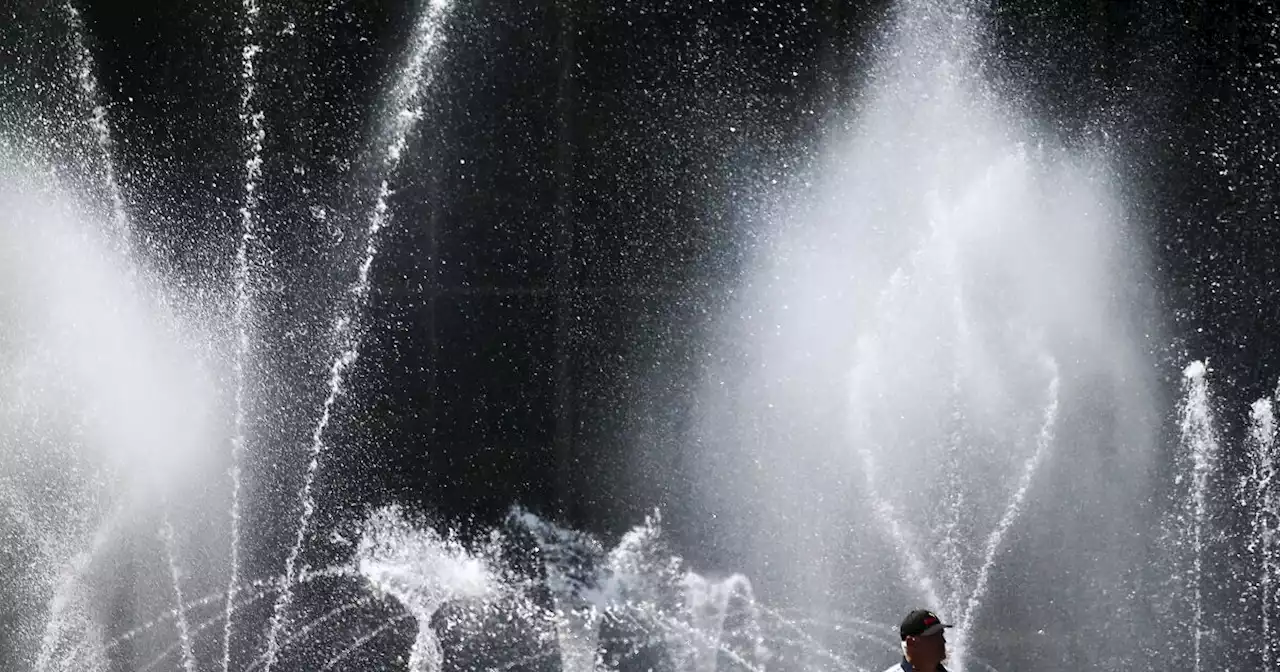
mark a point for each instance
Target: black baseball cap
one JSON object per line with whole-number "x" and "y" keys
{"x": 921, "y": 623}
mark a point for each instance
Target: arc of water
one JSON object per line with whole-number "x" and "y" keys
{"x": 937, "y": 242}
{"x": 90, "y": 94}
{"x": 259, "y": 592}
{"x": 833, "y": 618}
{"x": 951, "y": 544}
{"x": 260, "y": 589}
{"x": 677, "y": 626}
{"x": 811, "y": 643}
{"x": 180, "y": 608}
{"x": 195, "y": 631}
{"x": 1044, "y": 442}
{"x": 882, "y": 636}
{"x": 861, "y": 378}
{"x": 306, "y": 630}
{"x": 916, "y": 568}
{"x": 347, "y": 330}
{"x": 213, "y": 621}
{"x": 364, "y": 641}
{"x": 64, "y": 593}
{"x": 254, "y": 135}
{"x": 903, "y": 540}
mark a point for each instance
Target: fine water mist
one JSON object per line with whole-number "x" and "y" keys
{"x": 933, "y": 378}
{"x": 933, "y": 386}
{"x": 110, "y": 408}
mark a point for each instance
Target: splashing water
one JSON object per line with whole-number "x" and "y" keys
{"x": 582, "y": 584}
{"x": 422, "y": 571}
{"x": 642, "y": 583}
{"x": 994, "y": 541}
{"x": 708, "y": 604}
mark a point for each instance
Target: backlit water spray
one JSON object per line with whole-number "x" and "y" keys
{"x": 1260, "y": 496}
{"x": 402, "y": 113}
{"x": 97, "y": 120}
{"x": 1200, "y": 447}
{"x": 67, "y": 589}
{"x": 167, "y": 536}
{"x": 1044, "y": 442}
{"x": 960, "y": 264}
{"x": 254, "y": 134}
{"x": 422, "y": 570}
{"x": 964, "y": 271}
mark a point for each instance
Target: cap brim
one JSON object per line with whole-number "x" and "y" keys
{"x": 934, "y": 629}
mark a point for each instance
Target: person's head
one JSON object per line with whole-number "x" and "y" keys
{"x": 923, "y": 641}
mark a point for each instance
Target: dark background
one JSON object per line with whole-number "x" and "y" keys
{"x": 569, "y": 216}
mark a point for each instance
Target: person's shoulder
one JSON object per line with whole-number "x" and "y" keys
{"x": 896, "y": 667}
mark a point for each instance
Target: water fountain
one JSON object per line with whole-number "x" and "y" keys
{"x": 988, "y": 447}
{"x": 1207, "y": 557}
{"x": 962, "y": 269}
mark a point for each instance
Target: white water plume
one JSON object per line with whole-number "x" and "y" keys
{"x": 106, "y": 408}
{"x": 961, "y": 266}
{"x": 422, "y": 570}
